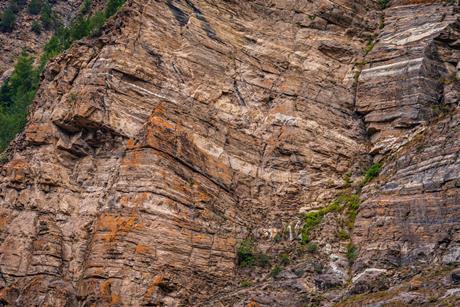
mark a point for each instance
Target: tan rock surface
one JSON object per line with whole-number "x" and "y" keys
{"x": 151, "y": 151}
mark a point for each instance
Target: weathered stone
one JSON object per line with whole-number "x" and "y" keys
{"x": 151, "y": 151}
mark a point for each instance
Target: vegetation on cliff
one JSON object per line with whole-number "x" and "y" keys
{"x": 15, "y": 96}
{"x": 7, "y": 20}
{"x": 18, "y": 91}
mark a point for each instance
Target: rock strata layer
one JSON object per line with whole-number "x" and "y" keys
{"x": 151, "y": 151}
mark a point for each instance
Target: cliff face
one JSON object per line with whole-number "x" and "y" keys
{"x": 409, "y": 94}
{"x": 188, "y": 126}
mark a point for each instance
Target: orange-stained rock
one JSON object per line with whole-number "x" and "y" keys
{"x": 153, "y": 150}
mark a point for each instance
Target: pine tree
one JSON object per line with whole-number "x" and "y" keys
{"x": 86, "y": 7}
{"x": 47, "y": 17}
{"x": 16, "y": 96}
{"x": 8, "y": 20}
{"x": 113, "y": 6}
{"x": 35, "y": 7}
{"x": 36, "y": 27}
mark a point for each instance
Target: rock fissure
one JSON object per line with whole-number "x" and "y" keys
{"x": 192, "y": 125}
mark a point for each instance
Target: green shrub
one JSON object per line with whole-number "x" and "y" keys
{"x": 19, "y": 2}
{"x": 81, "y": 27}
{"x": 370, "y": 45}
{"x": 36, "y": 27}
{"x": 343, "y": 235}
{"x": 246, "y": 283}
{"x": 3, "y": 157}
{"x": 5, "y": 95}
{"x": 47, "y": 17}
{"x": 352, "y": 253}
{"x": 17, "y": 94}
{"x": 96, "y": 22}
{"x": 372, "y": 173}
{"x": 35, "y": 7}
{"x": 16, "y": 5}
{"x": 351, "y": 203}
{"x": 86, "y": 7}
{"x": 312, "y": 219}
{"x": 284, "y": 259}
{"x": 312, "y": 247}
{"x": 347, "y": 180}
{"x": 276, "y": 270}
{"x": 112, "y": 7}
{"x": 7, "y": 20}
{"x": 263, "y": 260}
{"x": 245, "y": 254}
{"x": 383, "y": 3}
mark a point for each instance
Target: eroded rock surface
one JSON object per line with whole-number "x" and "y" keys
{"x": 151, "y": 151}
{"x": 409, "y": 92}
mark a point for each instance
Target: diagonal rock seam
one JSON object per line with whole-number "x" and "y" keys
{"x": 195, "y": 124}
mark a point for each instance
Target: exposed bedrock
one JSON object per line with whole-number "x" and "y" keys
{"x": 408, "y": 92}
{"x": 151, "y": 151}
{"x": 409, "y": 72}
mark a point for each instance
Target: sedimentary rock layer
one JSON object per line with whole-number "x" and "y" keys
{"x": 409, "y": 93}
{"x": 152, "y": 150}
{"x": 404, "y": 74}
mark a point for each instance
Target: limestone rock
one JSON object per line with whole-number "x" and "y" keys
{"x": 152, "y": 150}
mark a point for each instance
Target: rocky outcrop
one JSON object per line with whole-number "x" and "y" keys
{"x": 401, "y": 83}
{"x": 152, "y": 151}
{"x": 409, "y": 92}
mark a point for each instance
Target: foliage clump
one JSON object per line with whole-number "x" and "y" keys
{"x": 343, "y": 235}
{"x": 383, "y": 4}
{"x": 276, "y": 270}
{"x": 16, "y": 94}
{"x": 312, "y": 247}
{"x": 246, "y": 283}
{"x": 248, "y": 256}
{"x": 370, "y": 45}
{"x": 347, "y": 181}
{"x": 86, "y": 7}
{"x": 47, "y": 17}
{"x": 352, "y": 253}
{"x": 35, "y": 7}
{"x": 112, "y": 7}
{"x": 312, "y": 219}
{"x": 284, "y": 259}
{"x": 36, "y": 27}
{"x": 8, "y": 16}
{"x": 372, "y": 173}
{"x": 7, "y": 20}
{"x": 82, "y": 26}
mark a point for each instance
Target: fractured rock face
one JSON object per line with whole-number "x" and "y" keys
{"x": 411, "y": 214}
{"x": 148, "y": 155}
{"x": 403, "y": 78}
{"x": 151, "y": 151}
